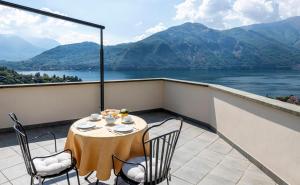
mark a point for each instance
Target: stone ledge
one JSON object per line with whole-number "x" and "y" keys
{"x": 276, "y": 104}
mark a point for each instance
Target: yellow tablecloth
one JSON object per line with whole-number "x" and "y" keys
{"x": 93, "y": 149}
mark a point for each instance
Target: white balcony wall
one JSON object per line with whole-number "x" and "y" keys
{"x": 42, "y": 104}
{"x": 134, "y": 95}
{"x": 51, "y": 103}
{"x": 269, "y": 135}
{"x": 191, "y": 100}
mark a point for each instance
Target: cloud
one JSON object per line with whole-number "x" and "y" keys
{"x": 257, "y": 10}
{"x": 186, "y": 10}
{"x": 289, "y": 8}
{"x": 150, "y": 31}
{"x": 24, "y": 24}
{"x": 222, "y": 14}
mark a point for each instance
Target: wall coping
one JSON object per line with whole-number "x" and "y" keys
{"x": 276, "y": 104}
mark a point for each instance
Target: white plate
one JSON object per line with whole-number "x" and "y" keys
{"x": 86, "y": 125}
{"x": 123, "y": 128}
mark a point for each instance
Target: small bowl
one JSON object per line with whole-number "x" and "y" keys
{"x": 110, "y": 120}
{"x": 127, "y": 119}
{"x": 94, "y": 117}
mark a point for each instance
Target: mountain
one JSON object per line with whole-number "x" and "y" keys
{"x": 195, "y": 46}
{"x": 78, "y": 56}
{"x": 286, "y": 31}
{"x": 14, "y": 48}
{"x": 271, "y": 53}
{"x": 187, "y": 46}
{"x": 45, "y": 43}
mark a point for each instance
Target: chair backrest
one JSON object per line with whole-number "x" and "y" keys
{"x": 23, "y": 142}
{"x": 161, "y": 149}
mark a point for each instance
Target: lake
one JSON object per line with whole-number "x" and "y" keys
{"x": 262, "y": 82}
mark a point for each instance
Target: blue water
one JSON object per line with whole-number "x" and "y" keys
{"x": 266, "y": 82}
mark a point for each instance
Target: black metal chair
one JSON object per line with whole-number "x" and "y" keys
{"x": 154, "y": 167}
{"x": 45, "y": 167}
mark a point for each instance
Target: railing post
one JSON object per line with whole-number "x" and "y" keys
{"x": 101, "y": 71}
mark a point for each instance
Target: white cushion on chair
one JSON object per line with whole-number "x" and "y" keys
{"x": 52, "y": 165}
{"x": 137, "y": 172}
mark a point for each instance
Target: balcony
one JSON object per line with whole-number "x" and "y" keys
{"x": 229, "y": 136}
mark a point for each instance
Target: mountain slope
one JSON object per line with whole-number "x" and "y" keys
{"x": 14, "y": 48}
{"x": 70, "y": 57}
{"x": 188, "y": 46}
{"x": 195, "y": 46}
{"x": 271, "y": 52}
{"x": 286, "y": 31}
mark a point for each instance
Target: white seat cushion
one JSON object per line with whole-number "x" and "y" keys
{"x": 137, "y": 172}
{"x": 52, "y": 165}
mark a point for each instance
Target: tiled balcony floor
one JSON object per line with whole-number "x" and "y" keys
{"x": 201, "y": 158}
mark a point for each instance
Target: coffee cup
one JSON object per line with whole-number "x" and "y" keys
{"x": 110, "y": 119}
{"x": 127, "y": 119}
{"x": 94, "y": 116}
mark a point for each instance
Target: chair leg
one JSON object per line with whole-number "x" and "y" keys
{"x": 97, "y": 182}
{"x": 31, "y": 180}
{"x": 87, "y": 177}
{"x": 40, "y": 181}
{"x": 68, "y": 178}
{"x": 167, "y": 181}
{"x": 116, "y": 182}
{"x": 77, "y": 176}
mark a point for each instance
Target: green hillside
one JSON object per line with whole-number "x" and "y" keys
{"x": 187, "y": 46}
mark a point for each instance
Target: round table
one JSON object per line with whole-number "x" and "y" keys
{"x": 93, "y": 149}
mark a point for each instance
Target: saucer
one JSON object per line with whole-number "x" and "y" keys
{"x": 91, "y": 119}
{"x": 127, "y": 122}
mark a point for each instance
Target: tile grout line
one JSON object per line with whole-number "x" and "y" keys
{"x": 11, "y": 166}
{"x": 196, "y": 153}
{"x": 191, "y": 139}
{"x": 214, "y": 166}
{"x": 182, "y": 179}
{"x": 5, "y": 177}
{"x": 243, "y": 173}
{"x": 16, "y": 177}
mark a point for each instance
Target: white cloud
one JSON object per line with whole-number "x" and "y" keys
{"x": 150, "y": 31}
{"x": 213, "y": 7}
{"x": 186, "y": 10}
{"x": 289, "y": 8}
{"x": 222, "y": 14}
{"x": 18, "y": 22}
{"x": 257, "y": 10}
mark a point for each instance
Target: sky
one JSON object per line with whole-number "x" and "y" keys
{"x": 133, "y": 20}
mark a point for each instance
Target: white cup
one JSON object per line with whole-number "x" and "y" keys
{"x": 127, "y": 119}
{"x": 110, "y": 120}
{"x": 94, "y": 116}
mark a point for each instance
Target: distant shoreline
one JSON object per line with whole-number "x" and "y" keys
{"x": 263, "y": 82}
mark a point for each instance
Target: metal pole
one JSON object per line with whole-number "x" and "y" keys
{"x": 101, "y": 71}
{"x": 49, "y": 14}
